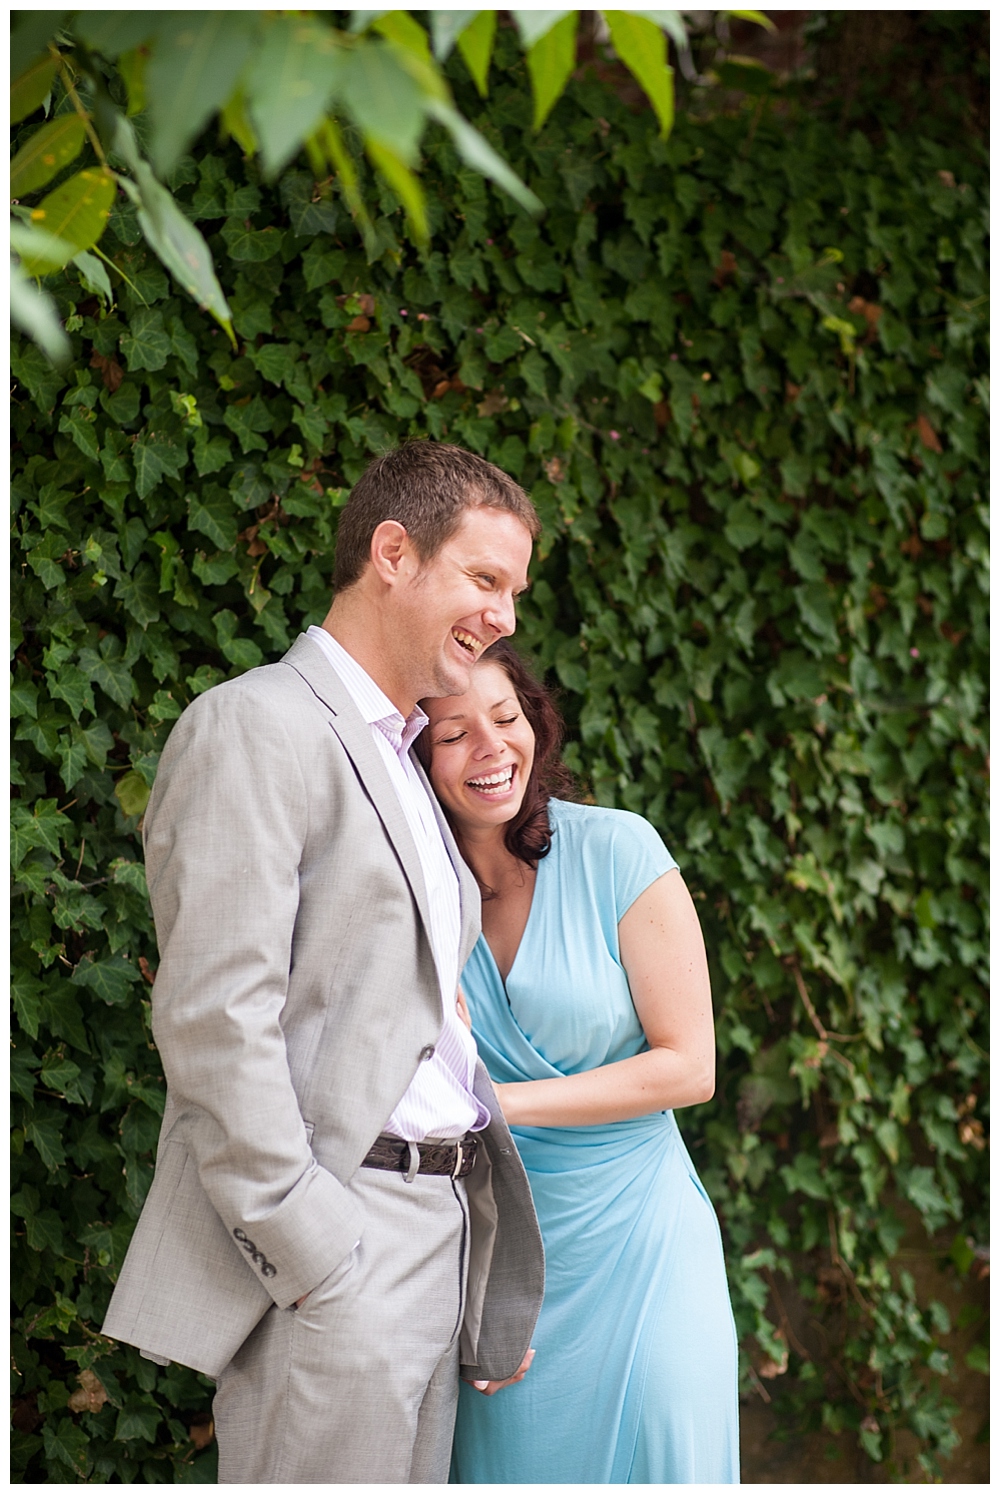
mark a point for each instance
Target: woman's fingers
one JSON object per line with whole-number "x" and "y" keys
{"x": 490, "y": 1387}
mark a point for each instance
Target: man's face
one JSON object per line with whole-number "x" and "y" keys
{"x": 461, "y": 600}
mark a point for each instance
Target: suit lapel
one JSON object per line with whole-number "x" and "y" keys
{"x": 355, "y": 735}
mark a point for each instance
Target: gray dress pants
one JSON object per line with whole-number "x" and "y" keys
{"x": 359, "y": 1385}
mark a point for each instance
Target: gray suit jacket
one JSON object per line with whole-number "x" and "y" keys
{"x": 295, "y": 995}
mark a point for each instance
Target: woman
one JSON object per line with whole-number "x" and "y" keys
{"x": 590, "y": 1003}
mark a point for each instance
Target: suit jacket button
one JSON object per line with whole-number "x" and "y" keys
{"x": 426, "y": 1053}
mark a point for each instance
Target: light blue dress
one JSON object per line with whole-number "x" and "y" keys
{"x": 635, "y": 1374}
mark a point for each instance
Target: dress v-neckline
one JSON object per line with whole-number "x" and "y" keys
{"x": 524, "y": 934}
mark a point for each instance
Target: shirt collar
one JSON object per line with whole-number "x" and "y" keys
{"x": 375, "y": 706}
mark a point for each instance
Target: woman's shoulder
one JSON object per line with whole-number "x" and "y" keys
{"x": 608, "y": 827}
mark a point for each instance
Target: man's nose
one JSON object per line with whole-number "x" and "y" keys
{"x": 501, "y": 615}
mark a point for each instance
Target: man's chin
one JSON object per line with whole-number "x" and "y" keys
{"x": 454, "y": 678}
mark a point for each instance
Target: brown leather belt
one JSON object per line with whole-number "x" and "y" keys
{"x": 452, "y": 1159}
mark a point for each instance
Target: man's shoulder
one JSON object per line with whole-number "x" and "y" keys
{"x": 269, "y": 687}
{"x": 274, "y": 701}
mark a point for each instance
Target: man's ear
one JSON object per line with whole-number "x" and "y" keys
{"x": 391, "y": 551}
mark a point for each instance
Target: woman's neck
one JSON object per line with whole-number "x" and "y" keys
{"x": 492, "y": 864}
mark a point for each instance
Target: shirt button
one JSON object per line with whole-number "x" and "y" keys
{"x": 426, "y": 1053}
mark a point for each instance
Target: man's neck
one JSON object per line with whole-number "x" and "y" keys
{"x": 357, "y": 630}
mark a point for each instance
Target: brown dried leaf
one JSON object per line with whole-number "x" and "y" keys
{"x": 726, "y": 267}
{"x": 928, "y": 435}
{"x": 554, "y": 470}
{"x": 444, "y": 386}
{"x": 201, "y": 1433}
{"x": 147, "y": 972}
{"x": 91, "y": 1396}
{"x": 359, "y": 324}
{"x": 112, "y": 373}
{"x": 871, "y": 312}
{"x": 770, "y": 1369}
{"x": 494, "y": 403}
{"x": 661, "y": 413}
{"x": 970, "y": 1133}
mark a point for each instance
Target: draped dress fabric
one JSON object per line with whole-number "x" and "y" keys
{"x": 635, "y": 1374}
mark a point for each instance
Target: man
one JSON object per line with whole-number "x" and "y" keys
{"x": 338, "y": 1213}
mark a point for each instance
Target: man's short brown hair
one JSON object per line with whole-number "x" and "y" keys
{"x": 426, "y": 486}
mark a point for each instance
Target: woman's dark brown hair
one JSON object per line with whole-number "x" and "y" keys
{"x": 529, "y": 834}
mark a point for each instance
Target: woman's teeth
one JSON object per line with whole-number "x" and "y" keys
{"x": 468, "y": 641}
{"x": 493, "y": 783}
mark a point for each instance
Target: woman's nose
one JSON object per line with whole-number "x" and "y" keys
{"x": 488, "y": 744}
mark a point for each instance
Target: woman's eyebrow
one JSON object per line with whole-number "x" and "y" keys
{"x": 461, "y": 715}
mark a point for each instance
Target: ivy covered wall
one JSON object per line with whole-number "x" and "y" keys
{"x": 743, "y": 375}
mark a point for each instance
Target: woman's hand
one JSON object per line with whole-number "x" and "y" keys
{"x": 462, "y": 1009}
{"x": 490, "y": 1387}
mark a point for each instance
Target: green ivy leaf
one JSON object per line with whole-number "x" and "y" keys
{"x": 154, "y": 456}
{"x": 41, "y": 826}
{"x": 112, "y": 675}
{"x": 111, "y": 980}
{"x": 43, "y": 1133}
{"x": 212, "y": 515}
{"x": 146, "y": 344}
{"x": 68, "y": 1445}
{"x": 132, "y": 793}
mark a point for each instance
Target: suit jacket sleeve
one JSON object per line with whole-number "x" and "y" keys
{"x": 225, "y": 832}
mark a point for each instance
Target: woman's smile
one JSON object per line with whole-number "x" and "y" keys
{"x": 494, "y": 785}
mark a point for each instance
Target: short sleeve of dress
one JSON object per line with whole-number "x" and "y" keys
{"x": 639, "y": 859}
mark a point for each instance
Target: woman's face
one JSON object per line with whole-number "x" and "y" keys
{"x": 482, "y": 749}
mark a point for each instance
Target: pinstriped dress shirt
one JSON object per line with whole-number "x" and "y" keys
{"x": 439, "y": 1101}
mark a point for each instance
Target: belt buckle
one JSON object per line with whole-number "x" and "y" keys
{"x": 459, "y": 1159}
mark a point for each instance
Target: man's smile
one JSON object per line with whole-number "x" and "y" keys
{"x": 468, "y": 641}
